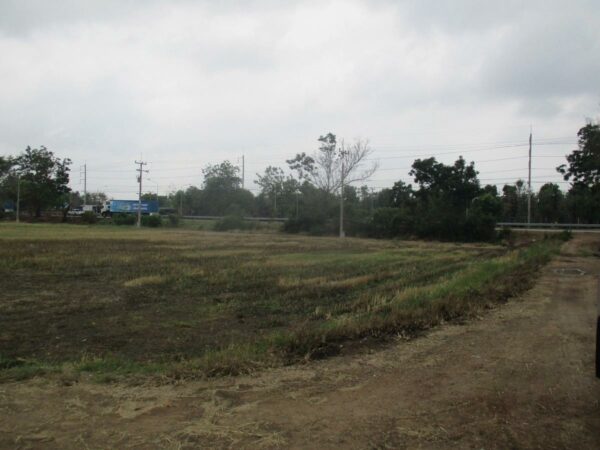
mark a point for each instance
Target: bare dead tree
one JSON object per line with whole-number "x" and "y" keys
{"x": 334, "y": 165}
{"x": 351, "y": 159}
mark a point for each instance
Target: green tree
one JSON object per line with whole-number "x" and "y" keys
{"x": 457, "y": 183}
{"x": 584, "y": 163}
{"x": 510, "y": 203}
{"x": 223, "y": 176}
{"x": 483, "y": 214}
{"x": 550, "y": 201}
{"x": 8, "y": 183}
{"x": 222, "y": 193}
{"x": 583, "y": 170}
{"x": 444, "y": 197}
{"x": 278, "y": 196}
{"x": 44, "y": 179}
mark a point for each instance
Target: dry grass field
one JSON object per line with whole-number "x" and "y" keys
{"x": 119, "y": 302}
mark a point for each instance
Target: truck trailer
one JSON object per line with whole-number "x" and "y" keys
{"x": 111, "y": 207}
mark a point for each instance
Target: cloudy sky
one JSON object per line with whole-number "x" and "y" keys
{"x": 185, "y": 83}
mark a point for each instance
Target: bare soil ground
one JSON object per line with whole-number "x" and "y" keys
{"x": 521, "y": 376}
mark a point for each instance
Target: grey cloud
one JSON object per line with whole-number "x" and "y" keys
{"x": 110, "y": 79}
{"x": 546, "y": 59}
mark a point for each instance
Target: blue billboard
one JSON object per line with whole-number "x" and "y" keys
{"x": 131, "y": 206}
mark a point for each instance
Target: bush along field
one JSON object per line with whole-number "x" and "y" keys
{"x": 176, "y": 303}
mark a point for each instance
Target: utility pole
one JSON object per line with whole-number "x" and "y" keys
{"x": 139, "y": 211}
{"x": 243, "y": 172}
{"x": 181, "y": 203}
{"x": 83, "y": 174}
{"x": 342, "y": 233}
{"x": 297, "y": 204}
{"x": 85, "y": 184}
{"x": 18, "y": 196}
{"x": 529, "y": 183}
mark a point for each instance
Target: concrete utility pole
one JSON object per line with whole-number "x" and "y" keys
{"x": 85, "y": 184}
{"x": 529, "y": 183}
{"x": 342, "y": 233}
{"x": 83, "y": 173}
{"x": 243, "y": 171}
{"x": 139, "y": 211}
{"x": 18, "y": 197}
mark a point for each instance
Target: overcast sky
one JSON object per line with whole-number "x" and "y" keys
{"x": 186, "y": 83}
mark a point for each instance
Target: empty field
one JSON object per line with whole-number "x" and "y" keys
{"x": 181, "y": 303}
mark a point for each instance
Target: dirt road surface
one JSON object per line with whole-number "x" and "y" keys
{"x": 520, "y": 376}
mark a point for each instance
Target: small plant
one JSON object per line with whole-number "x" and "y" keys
{"x": 124, "y": 219}
{"x": 174, "y": 220}
{"x": 565, "y": 235}
{"x": 151, "y": 221}
{"x": 232, "y": 223}
{"x": 89, "y": 217}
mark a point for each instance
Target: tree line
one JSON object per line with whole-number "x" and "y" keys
{"x": 447, "y": 201}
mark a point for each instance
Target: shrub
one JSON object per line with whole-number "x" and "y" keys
{"x": 124, "y": 219}
{"x": 565, "y": 235}
{"x": 316, "y": 226}
{"x": 174, "y": 220}
{"x": 89, "y": 217}
{"x": 232, "y": 223}
{"x": 151, "y": 221}
{"x": 391, "y": 222}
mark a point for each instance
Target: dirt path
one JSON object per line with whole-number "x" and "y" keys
{"x": 520, "y": 377}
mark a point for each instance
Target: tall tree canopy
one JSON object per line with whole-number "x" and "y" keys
{"x": 584, "y": 163}
{"x": 44, "y": 178}
{"x": 224, "y": 177}
{"x": 457, "y": 182}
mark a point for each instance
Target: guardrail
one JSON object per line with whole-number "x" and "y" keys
{"x": 252, "y": 219}
{"x": 560, "y": 226}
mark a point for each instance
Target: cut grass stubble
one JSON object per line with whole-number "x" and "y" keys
{"x": 187, "y": 306}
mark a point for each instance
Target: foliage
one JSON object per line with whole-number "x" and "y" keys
{"x": 93, "y": 198}
{"x": 482, "y": 217}
{"x": 152, "y": 221}
{"x": 44, "y": 178}
{"x": 565, "y": 235}
{"x": 391, "y": 222}
{"x": 584, "y": 163}
{"x": 316, "y": 212}
{"x": 222, "y": 190}
{"x": 174, "y": 220}
{"x": 222, "y": 177}
{"x": 232, "y": 222}
{"x": 89, "y": 217}
{"x": 124, "y": 219}
{"x": 279, "y": 193}
{"x": 550, "y": 200}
